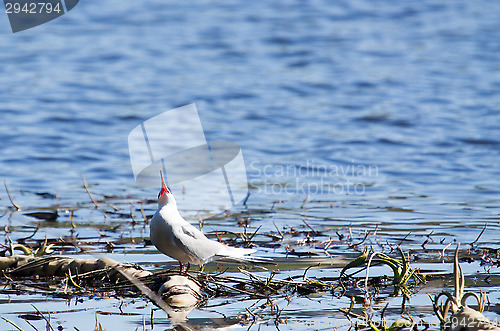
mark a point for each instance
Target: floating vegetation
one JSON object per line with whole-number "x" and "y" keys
{"x": 379, "y": 274}
{"x": 463, "y": 317}
{"x": 402, "y": 270}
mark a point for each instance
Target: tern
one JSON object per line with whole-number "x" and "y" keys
{"x": 177, "y": 238}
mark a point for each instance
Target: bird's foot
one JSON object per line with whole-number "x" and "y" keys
{"x": 187, "y": 269}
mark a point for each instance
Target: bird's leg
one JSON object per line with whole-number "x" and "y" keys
{"x": 180, "y": 268}
{"x": 187, "y": 269}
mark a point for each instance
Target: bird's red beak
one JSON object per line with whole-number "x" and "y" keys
{"x": 164, "y": 188}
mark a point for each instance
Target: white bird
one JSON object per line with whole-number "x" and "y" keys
{"x": 175, "y": 237}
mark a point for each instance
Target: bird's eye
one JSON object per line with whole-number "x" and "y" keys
{"x": 159, "y": 194}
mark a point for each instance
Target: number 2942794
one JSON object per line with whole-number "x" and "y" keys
{"x": 32, "y": 8}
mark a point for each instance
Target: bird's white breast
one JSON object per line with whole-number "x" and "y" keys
{"x": 162, "y": 236}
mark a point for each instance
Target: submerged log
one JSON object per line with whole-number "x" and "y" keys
{"x": 179, "y": 294}
{"x": 21, "y": 265}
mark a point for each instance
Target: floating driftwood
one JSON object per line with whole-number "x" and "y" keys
{"x": 21, "y": 265}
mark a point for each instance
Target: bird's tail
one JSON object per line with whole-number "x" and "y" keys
{"x": 241, "y": 255}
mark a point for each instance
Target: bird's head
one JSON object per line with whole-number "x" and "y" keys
{"x": 165, "y": 196}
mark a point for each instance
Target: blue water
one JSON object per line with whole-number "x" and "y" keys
{"x": 406, "y": 89}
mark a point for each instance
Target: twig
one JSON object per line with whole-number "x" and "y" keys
{"x": 12, "y": 323}
{"x": 367, "y": 233}
{"x": 475, "y": 241}
{"x": 444, "y": 250}
{"x": 146, "y": 221}
{"x": 304, "y": 203}
{"x": 88, "y": 191}
{"x": 246, "y": 199}
{"x": 275, "y": 203}
{"x": 251, "y": 314}
{"x": 368, "y": 271}
{"x": 404, "y": 238}
{"x": 34, "y": 328}
{"x": 115, "y": 208}
{"x": 277, "y": 229}
{"x": 310, "y": 227}
{"x": 144, "y": 289}
{"x": 259, "y": 277}
{"x": 73, "y": 225}
{"x": 240, "y": 290}
{"x": 348, "y": 312}
{"x": 327, "y": 244}
{"x": 132, "y": 215}
{"x": 70, "y": 279}
{"x": 427, "y": 240}
{"x": 22, "y": 240}
{"x": 307, "y": 269}
{"x": 253, "y": 235}
{"x": 10, "y": 197}
{"x": 45, "y": 318}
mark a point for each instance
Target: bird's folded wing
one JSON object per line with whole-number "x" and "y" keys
{"x": 194, "y": 243}
{"x": 246, "y": 259}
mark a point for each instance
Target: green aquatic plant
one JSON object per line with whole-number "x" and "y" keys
{"x": 402, "y": 270}
{"x": 44, "y": 249}
{"x": 358, "y": 262}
